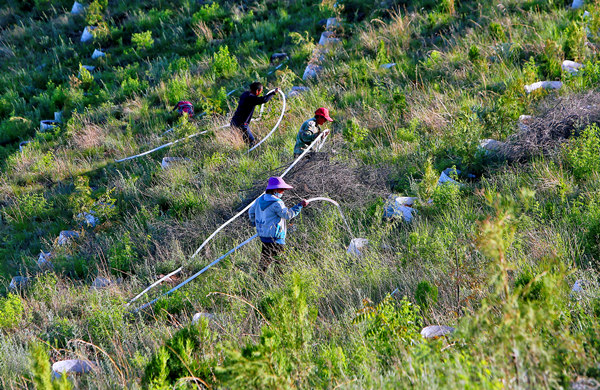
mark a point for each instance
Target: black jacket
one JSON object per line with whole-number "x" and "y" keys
{"x": 245, "y": 110}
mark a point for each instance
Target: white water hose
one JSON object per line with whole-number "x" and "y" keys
{"x": 315, "y": 142}
{"x": 274, "y": 127}
{"x": 195, "y": 275}
{"x": 321, "y": 198}
{"x": 206, "y": 131}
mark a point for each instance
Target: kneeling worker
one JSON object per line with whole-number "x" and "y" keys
{"x": 268, "y": 214}
{"x": 245, "y": 109}
{"x": 310, "y": 130}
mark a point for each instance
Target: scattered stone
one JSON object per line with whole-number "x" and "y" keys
{"x": 577, "y": 4}
{"x": 58, "y": 116}
{"x": 357, "y": 245}
{"x": 491, "y": 145}
{"x": 433, "y": 332}
{"x": 168, "y": 162}
{"x": 66, "y": 236}
{"x": 197, "y": 316}
{"x": 23, "y": 143}
{"x": 543, "y": 85}
{"x": 295, "y": 91}
{"x": 44, "y": 261}
{"x": 327, "y": 38}
{"x": 89, "y": 218}
{"x": 452, "y": 171}
{"x": 388, "y": 66}
{"x": 445, "y": 179}
{"x": 98, "y": 54}
{"x": 583, "y": 383}
{"x": 89, "y": 68}
{"x": 48, "y": 124}
{"x": 100, "y": 283}
{"x": 332, "y": 23}
{"x": 312, "y": 71}
{"x": 399, "y": 206}
{"x": 18, "y": 283}
{"x": 72, "y": 366}
{"x": 279, "y": 57}
{"x": 77, "y": 9}
{"x": 571, "y": 67}
{"x": 586, "y": 14}
{"x": 87, "y": 35}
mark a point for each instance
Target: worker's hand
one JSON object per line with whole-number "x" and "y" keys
{"x": 325, "y": 132}
{"x": 276, "y": 90}
{"x": 303, "y": 203}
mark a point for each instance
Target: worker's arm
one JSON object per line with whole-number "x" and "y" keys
{"x": 285, "y": 213}
{"x": 309, "y": 133}
{"x": 252, "y": 214}
{"x": 258, "y": 100}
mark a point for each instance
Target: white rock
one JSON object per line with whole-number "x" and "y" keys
{"x": 388, "y": 66}
{"x": 491, "y": 145}
{"x": 18, "y": 282}
{"x": 578, "y": 286}
{"x": 332, "y": 23}
{"x": 87, "y": 35}
{"x": 77, "y": 8}
{"x": 327, "y": 38}
{"x": 197, "y": 316}
{"x": 357, "y": 245}
{"x": 72, "y": 366}
{"x": 526, "y": 119}
{"x": 66, "y": 236}
{"x": 89, "y": 68}
{"x": 577, "y": 4}
{"x": 97, "y": 54}
{"x": 436, "y": 331}
{"x": 444, "y": 179}
{"x": 89, "y": 218}
{"x": 399, "y": 206}
{"x": 58, "y": 116}
{"x": 100, "y": 283}
{"x": 44, "y": 260}
{"x": 295, "y": 91}
{"x": 544, "y": 85}
{"x": 23, "y": 143}
{"x": 452, "y": 171}
{"x": 168, "y": 162}
{"x": 571, "y": 67}
{"x": 48, "y": 124}
{"x": 312, "y": 71}
{"x": 586, "y": 14}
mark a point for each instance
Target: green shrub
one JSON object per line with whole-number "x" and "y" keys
{"x": 497, "y": 31}
{"x": 42, "y": 374}
{"x": 106, "y": 320}
{"x": 176, "y": 90}
{"x": 530, "y": 289}
{"x": 382, "y": 54}
{"x": 581, "y": 153}
{"x": 143, "y": 40}
{"x": 15, "y": 128}
{"x": 131, "y": 86}
{"x": 121, "y": 256}
{"x": 474, "y": 54}
{"x": 85, "y": 76}
{"x": 60, "y": 332}
{"x": 95, "y": 12}
{"x": 575, "y": 43}
{"x": 26, "y": 208}
{"x": 224, "y": 64}
{"x": 446, "y": 196}
{"x": 353, "y": 132}
{"x": 11, "y": 311}
{"x": 44, "y": 287}
{"x": 426, "y": 294}
{"x": 209, "y": 13}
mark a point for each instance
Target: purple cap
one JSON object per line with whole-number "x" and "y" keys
{"x": 277, "y": 183}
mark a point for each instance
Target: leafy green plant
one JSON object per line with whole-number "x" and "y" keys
{"x": 574, "y": 44}
{"x": 26, "y": 208}
{"x": 224, "y": 63}
{"x": 353, "y": 132}
{"x": 426, "y": 294}
{"x": 121, "y": 255}
{"x": 42, "y": 374}
{"x": 382, "y": 54}
{"x": 497, "y": 31}
{"x": 581, "y": 153}
{"x": 143, "y": 40}
{"x": 11, "y": 311}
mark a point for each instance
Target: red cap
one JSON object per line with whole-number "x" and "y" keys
{"x": 322, "y": 111}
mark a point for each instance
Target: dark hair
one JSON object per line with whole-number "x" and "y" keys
{"x": 270, "y": 192}
{"x": 255, "y": 86}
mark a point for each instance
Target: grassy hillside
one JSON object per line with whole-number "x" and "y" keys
{"x": 494, "y": 255}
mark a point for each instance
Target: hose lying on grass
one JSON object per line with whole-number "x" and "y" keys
{"x": 206, "y": 131}
{"x": 230, "y": 252}
{"x": 312, "y": 145}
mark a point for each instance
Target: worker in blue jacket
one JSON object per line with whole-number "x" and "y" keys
{"x": 245, "y": 109}
{"x": 269, "y": 215}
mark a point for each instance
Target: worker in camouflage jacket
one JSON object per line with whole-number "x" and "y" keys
{"x": 310, "y": 130}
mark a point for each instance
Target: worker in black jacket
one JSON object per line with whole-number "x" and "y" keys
{"x": 243, "y": 114}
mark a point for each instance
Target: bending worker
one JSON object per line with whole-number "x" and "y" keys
{"x": 245, "y": 109}
{"x": 310, "y": 130}
{"x": 268, "y": 214}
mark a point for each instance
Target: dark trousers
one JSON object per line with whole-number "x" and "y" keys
{"x": 246, "y": 133}
{"x": 272, "y": 252}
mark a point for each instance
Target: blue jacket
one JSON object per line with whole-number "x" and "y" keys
{"x": 269, "y": 214}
